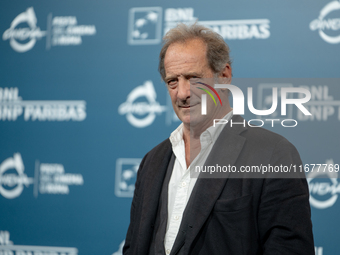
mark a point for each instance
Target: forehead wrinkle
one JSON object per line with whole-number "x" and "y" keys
{"x": 184, "y": 59}
{"x": 183, "y": 73}
{"x": 179, "y": 67}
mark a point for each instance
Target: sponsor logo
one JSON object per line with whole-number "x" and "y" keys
{"x": 126, "y": 174}
{"x": 145, "y": 25}
{"x": 323, "y": 192}
{"x": 66, "y": 31}
{"x": 16, "y": 180}
{"x": 138, "y": 113}
{"x": 48, "y": 178}
{"x": 173, "y": 16}
{"x": 18, "y": 36}
{"x": 322, "y": 106}
{"x": 8, "y": 248}
{"x": 61, "y": 31}
{"x": 328, "y": 26}
{"x": 12, "y": 106}
{"x": 54, "y": 180}
{"x": 240, "y": 29}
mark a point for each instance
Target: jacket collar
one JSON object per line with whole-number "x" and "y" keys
{"x": 153, "y": 182}
{"x": 225, "y": 151}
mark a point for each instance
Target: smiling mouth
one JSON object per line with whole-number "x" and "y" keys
{"x": 187, "y": 106}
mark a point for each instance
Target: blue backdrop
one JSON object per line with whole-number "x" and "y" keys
{"x": 81, "y": 102}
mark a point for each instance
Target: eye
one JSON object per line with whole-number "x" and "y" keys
{"x": 172, "y": 83}
{"x": 194, "y": 80}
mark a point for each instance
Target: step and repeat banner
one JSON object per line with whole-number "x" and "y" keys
{"x": 81, "y": 102}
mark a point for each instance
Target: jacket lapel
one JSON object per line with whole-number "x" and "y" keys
{"x": 152, "y": 190}
{"x": 206, "y": 191}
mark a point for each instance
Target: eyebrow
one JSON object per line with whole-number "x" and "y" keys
{"x": 185, "y": 75}
{"x": 170, "y": 77}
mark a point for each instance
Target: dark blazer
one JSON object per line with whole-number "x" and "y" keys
{"x": 229, "y": 215}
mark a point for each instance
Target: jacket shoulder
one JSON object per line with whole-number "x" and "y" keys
{"x": 157, "y": 154}
{"x": 160, "y": 148}
{"x": 261, "y": 137}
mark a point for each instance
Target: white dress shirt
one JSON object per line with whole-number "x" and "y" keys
{"x": 181, "y": 185}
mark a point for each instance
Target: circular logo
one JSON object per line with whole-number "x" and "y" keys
{"x": 16, "y": 36}
{"x": 149, "y": 108}
{"x": 14, "y": 181}
{"x": 323, "y": 24}
{"x": 323, "y": 188}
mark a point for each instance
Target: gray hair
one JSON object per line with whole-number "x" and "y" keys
{"x": 217, "y": 49}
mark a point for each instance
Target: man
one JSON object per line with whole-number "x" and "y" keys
{"x": 172, "y": 213}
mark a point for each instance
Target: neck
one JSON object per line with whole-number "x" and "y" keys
{"x": 192, "y": 134}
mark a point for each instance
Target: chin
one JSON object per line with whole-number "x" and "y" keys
{"x": 185, "y": 119}
{"x": 196, "y": 121}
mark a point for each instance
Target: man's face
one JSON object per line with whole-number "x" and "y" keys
{"x": 182, "y": 62}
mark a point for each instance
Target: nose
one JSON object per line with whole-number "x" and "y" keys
{"x": 183, "y": 92}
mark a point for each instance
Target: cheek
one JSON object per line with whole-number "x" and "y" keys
{"x": 196, "y": 93}
{"x": 172, "y": 94}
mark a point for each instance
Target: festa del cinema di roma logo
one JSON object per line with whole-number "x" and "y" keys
{"x": 48, "y": 178}
{"x": 16, "y": 182}
{"x": 23, "y": 32}
{"x": 29, "y": 34}
{"x": 330, "y": 25}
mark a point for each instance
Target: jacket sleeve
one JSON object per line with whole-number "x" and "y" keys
{"x": 284, "y": 216}
{"x": 135, "y": 201}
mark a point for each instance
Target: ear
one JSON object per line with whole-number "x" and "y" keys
{"x": 227, "y": 72}
{"x": 226, "y": 75}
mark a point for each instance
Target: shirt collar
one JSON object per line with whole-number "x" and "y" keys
{"x": 211, "y": 134}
